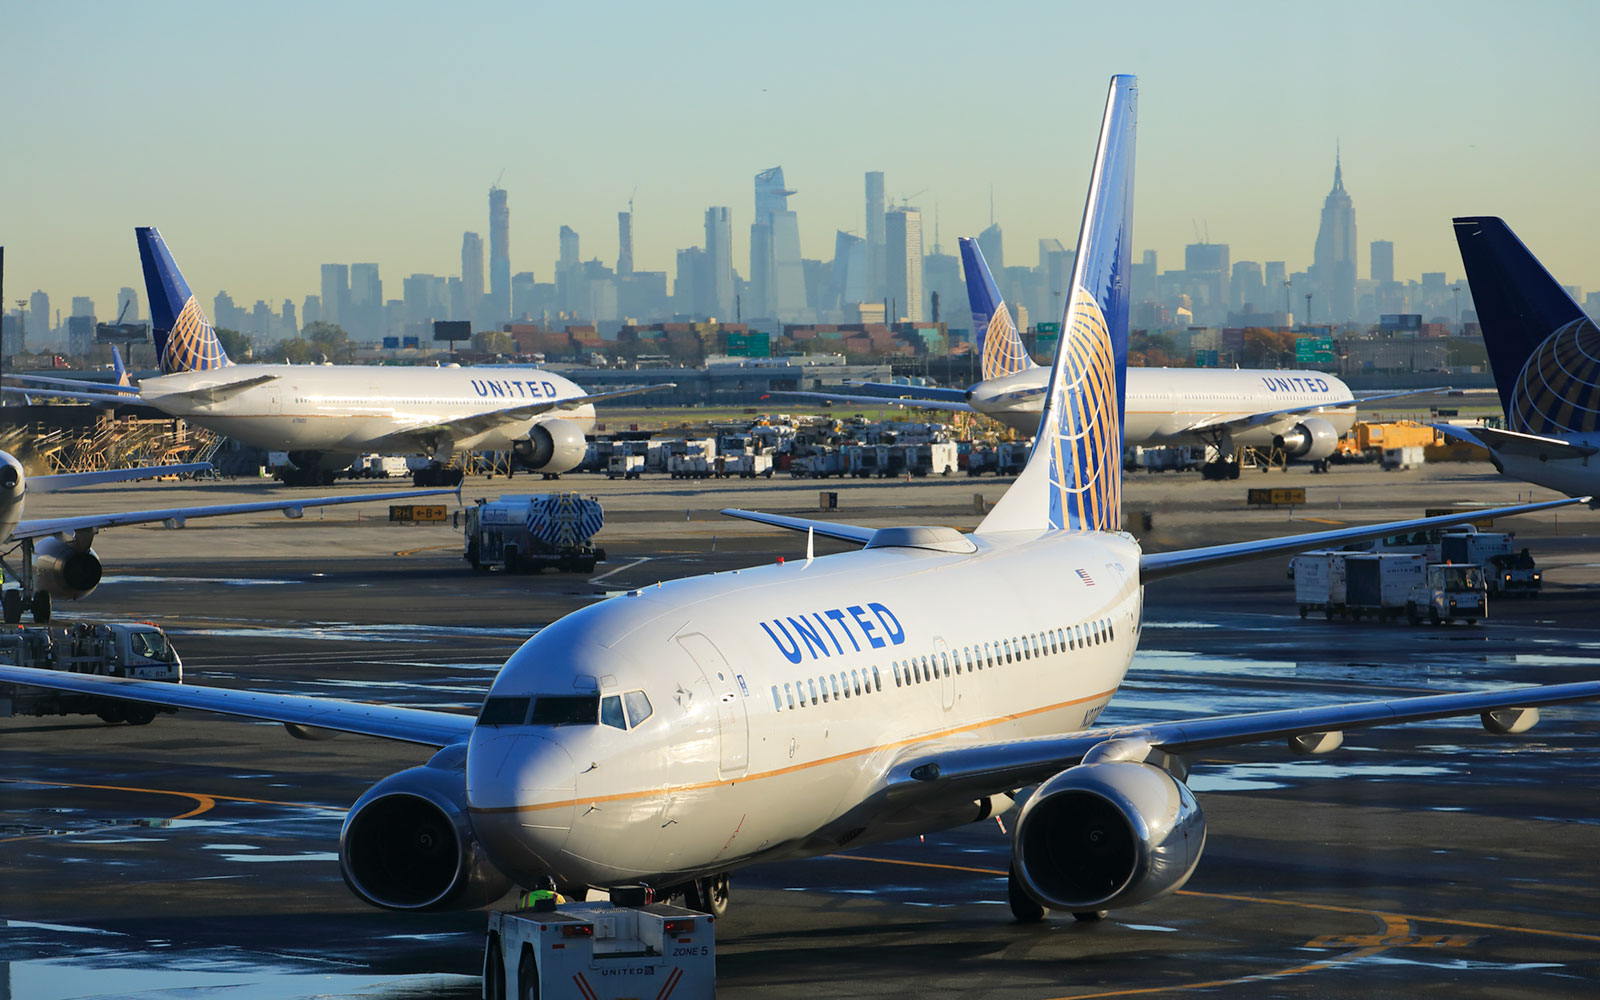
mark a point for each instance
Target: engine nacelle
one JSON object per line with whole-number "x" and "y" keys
{"x": 64, "y": 571}
{"x": 408, "y": 844}
{"x": 552, "y": 446}
{"x": 1312, "y": 439}
{"x": 1098, "y": 836}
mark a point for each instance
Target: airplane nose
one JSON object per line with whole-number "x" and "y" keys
{"x": 521, "y": 789}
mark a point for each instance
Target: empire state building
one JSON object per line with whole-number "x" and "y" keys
{"x": 1334, "y": 262}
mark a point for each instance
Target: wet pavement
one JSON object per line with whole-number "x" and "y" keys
{"x": 195, "y": 857}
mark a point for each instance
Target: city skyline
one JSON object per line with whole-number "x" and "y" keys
{"x": 279, "y": 179}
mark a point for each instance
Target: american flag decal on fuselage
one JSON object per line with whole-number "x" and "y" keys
{"x": 1085, "y": 439}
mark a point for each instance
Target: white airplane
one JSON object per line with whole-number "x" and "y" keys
{"x": 673, "y": 734}
{"x": 1545, "y": 354}
{"x": 55, "y": 558}
{"x": 326, "y": 415}
{"x": 1304, "y": 413}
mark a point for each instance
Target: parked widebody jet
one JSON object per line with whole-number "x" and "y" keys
{"x": 670, "y": 735}
{"x": 1545, "y": 354}
{"x": 1303, "y": 413}
{"x": 326, "y": 415}
{"x": 55, "y": 560}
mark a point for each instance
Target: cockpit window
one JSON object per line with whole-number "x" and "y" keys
{"x": 504, "y": 711}
{"x": 566, "y": 710}
{"x": 638, "y": 707}
{"x": 611, "y": 712}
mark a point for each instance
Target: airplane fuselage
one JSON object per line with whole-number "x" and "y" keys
{"x": 1162, "y": 401}
{"x": 352, "y": 409}
{"x": 780, "y": 695}
{"x": 1576, "y": 477}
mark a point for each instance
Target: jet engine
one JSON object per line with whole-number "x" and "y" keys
{"x": 65, "y": 571}
{"x": 552, "y": 446}
{"x": 1106, "y": 835}
{"x": 1312, "y": 439}
{"x": 408, "y": 843}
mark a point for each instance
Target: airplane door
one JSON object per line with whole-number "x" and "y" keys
{"x": 274, "y": 399}
{"x": 944, "y": 664}
{"x": 727, "y": 695}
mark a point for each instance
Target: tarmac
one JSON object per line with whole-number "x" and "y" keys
{"x": 196, "y": 856}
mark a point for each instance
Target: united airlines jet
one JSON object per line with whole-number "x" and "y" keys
{"x": 326, "y": 415}
{"x": 1545, "y": 354}
{"x": 1303, "y": 413}
{"x": 671, "y": 735}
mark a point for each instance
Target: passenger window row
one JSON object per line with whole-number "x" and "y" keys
{"x": 920, "y": 670}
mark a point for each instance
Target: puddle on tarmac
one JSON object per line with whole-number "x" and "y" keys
{"x": 344, "y": 632}
{"x": 48, "y": 980}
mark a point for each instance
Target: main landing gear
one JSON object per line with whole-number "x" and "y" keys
{"x": 27, "y": 597}
{"x": 708, "y": 895}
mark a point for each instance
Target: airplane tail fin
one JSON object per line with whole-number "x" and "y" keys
{"x": 118, "y": 368}
{"x": 1073, "y": 479}
{"x": 1545, "y": 352}
{"x": 1000, "y": 347}
{"x": 184, "y": 339}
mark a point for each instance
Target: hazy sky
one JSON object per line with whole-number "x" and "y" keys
{"x": 267, "y": 138}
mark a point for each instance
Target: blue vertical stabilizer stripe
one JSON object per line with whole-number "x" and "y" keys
{"x": 163, "y": 283}
{"x": 1519, "y": 304}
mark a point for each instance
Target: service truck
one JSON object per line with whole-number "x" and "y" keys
{"x": 600, "y": 951}
{"x": 109, "y": 649}
{"x": 531, "y": 532}
{"x": 1386, "y": 585}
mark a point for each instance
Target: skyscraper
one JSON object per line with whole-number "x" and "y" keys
{"x": 571, "y": 296}
{"x": 499, "y": 301}
{"x": 719, "y": 263}
{"x": 875, "y": 244}
{"x": 39, "y": 316}
{"x": 689, "y": 295}
{"x": 777, "y": 278}
{"x": 992, "y": 243}
{"x": 625, "y": 242}
{"x": 364, "y": 321}
{"x": 127, "y": 305}
{"x": 1248, "y": 292}
{"x": 335, "y": 292}
{"x": 849, "y": 281}
{"x": 902, "y": 237}
{"x": 1208, "y": 280}
{"x": 471, "y": 273}
{"x": 1382, "y": 261}
{"x": 1334, "y": 261}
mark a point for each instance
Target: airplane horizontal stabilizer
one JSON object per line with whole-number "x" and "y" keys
{"x": 905, "y": 402}
{"x": 1506, "y": 442}
{"x": 73, "y": 383}
{"x": 1155, "y": 565}
{"x": 40, "y": 392}
{"x": 827, "y": 529}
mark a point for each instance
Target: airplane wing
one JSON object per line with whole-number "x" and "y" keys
{"x": 73, "y": 480}
{"x": 977, "y": 769}
{"x": 117, "y": 399}
{"x": 1517, "y": 443}
{"x": 1363, "y": 400}
{"x": 827, "y": 529}
{"x": 1155, "y": 565}
{"x": 430, "y": 434}
{"x": 293, "y": 508}
{"x": 71, "y": 383}
{"x": 1233, "y": 421}
{"x": 894, "y": 391}
{"x": 919, "y": 404}
{"x": 409, "y": 725}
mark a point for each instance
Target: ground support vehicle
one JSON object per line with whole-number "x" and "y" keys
{"x": 625, "y": 466}
{"x": 529, "y": 533}
{"x": 1513, "y": 575}
{"x": 747, "y": 466}
{"x": 109, "y": 649}
{"x": 1449, "y": 593}
{"x": 600, "y": 951}
{"x": 1356, "y": 585}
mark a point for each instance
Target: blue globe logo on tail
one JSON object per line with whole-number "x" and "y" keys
{"x": 999, "y": 345}
{"x": 1085, "y": 442}
{"x": 184, "y": 339}
{"x": 1558, "y": 389}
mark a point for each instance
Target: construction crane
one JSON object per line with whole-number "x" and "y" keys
{"x": 905, "y": 200}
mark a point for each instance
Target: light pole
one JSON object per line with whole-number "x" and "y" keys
{"x": 1308, "y": 309}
